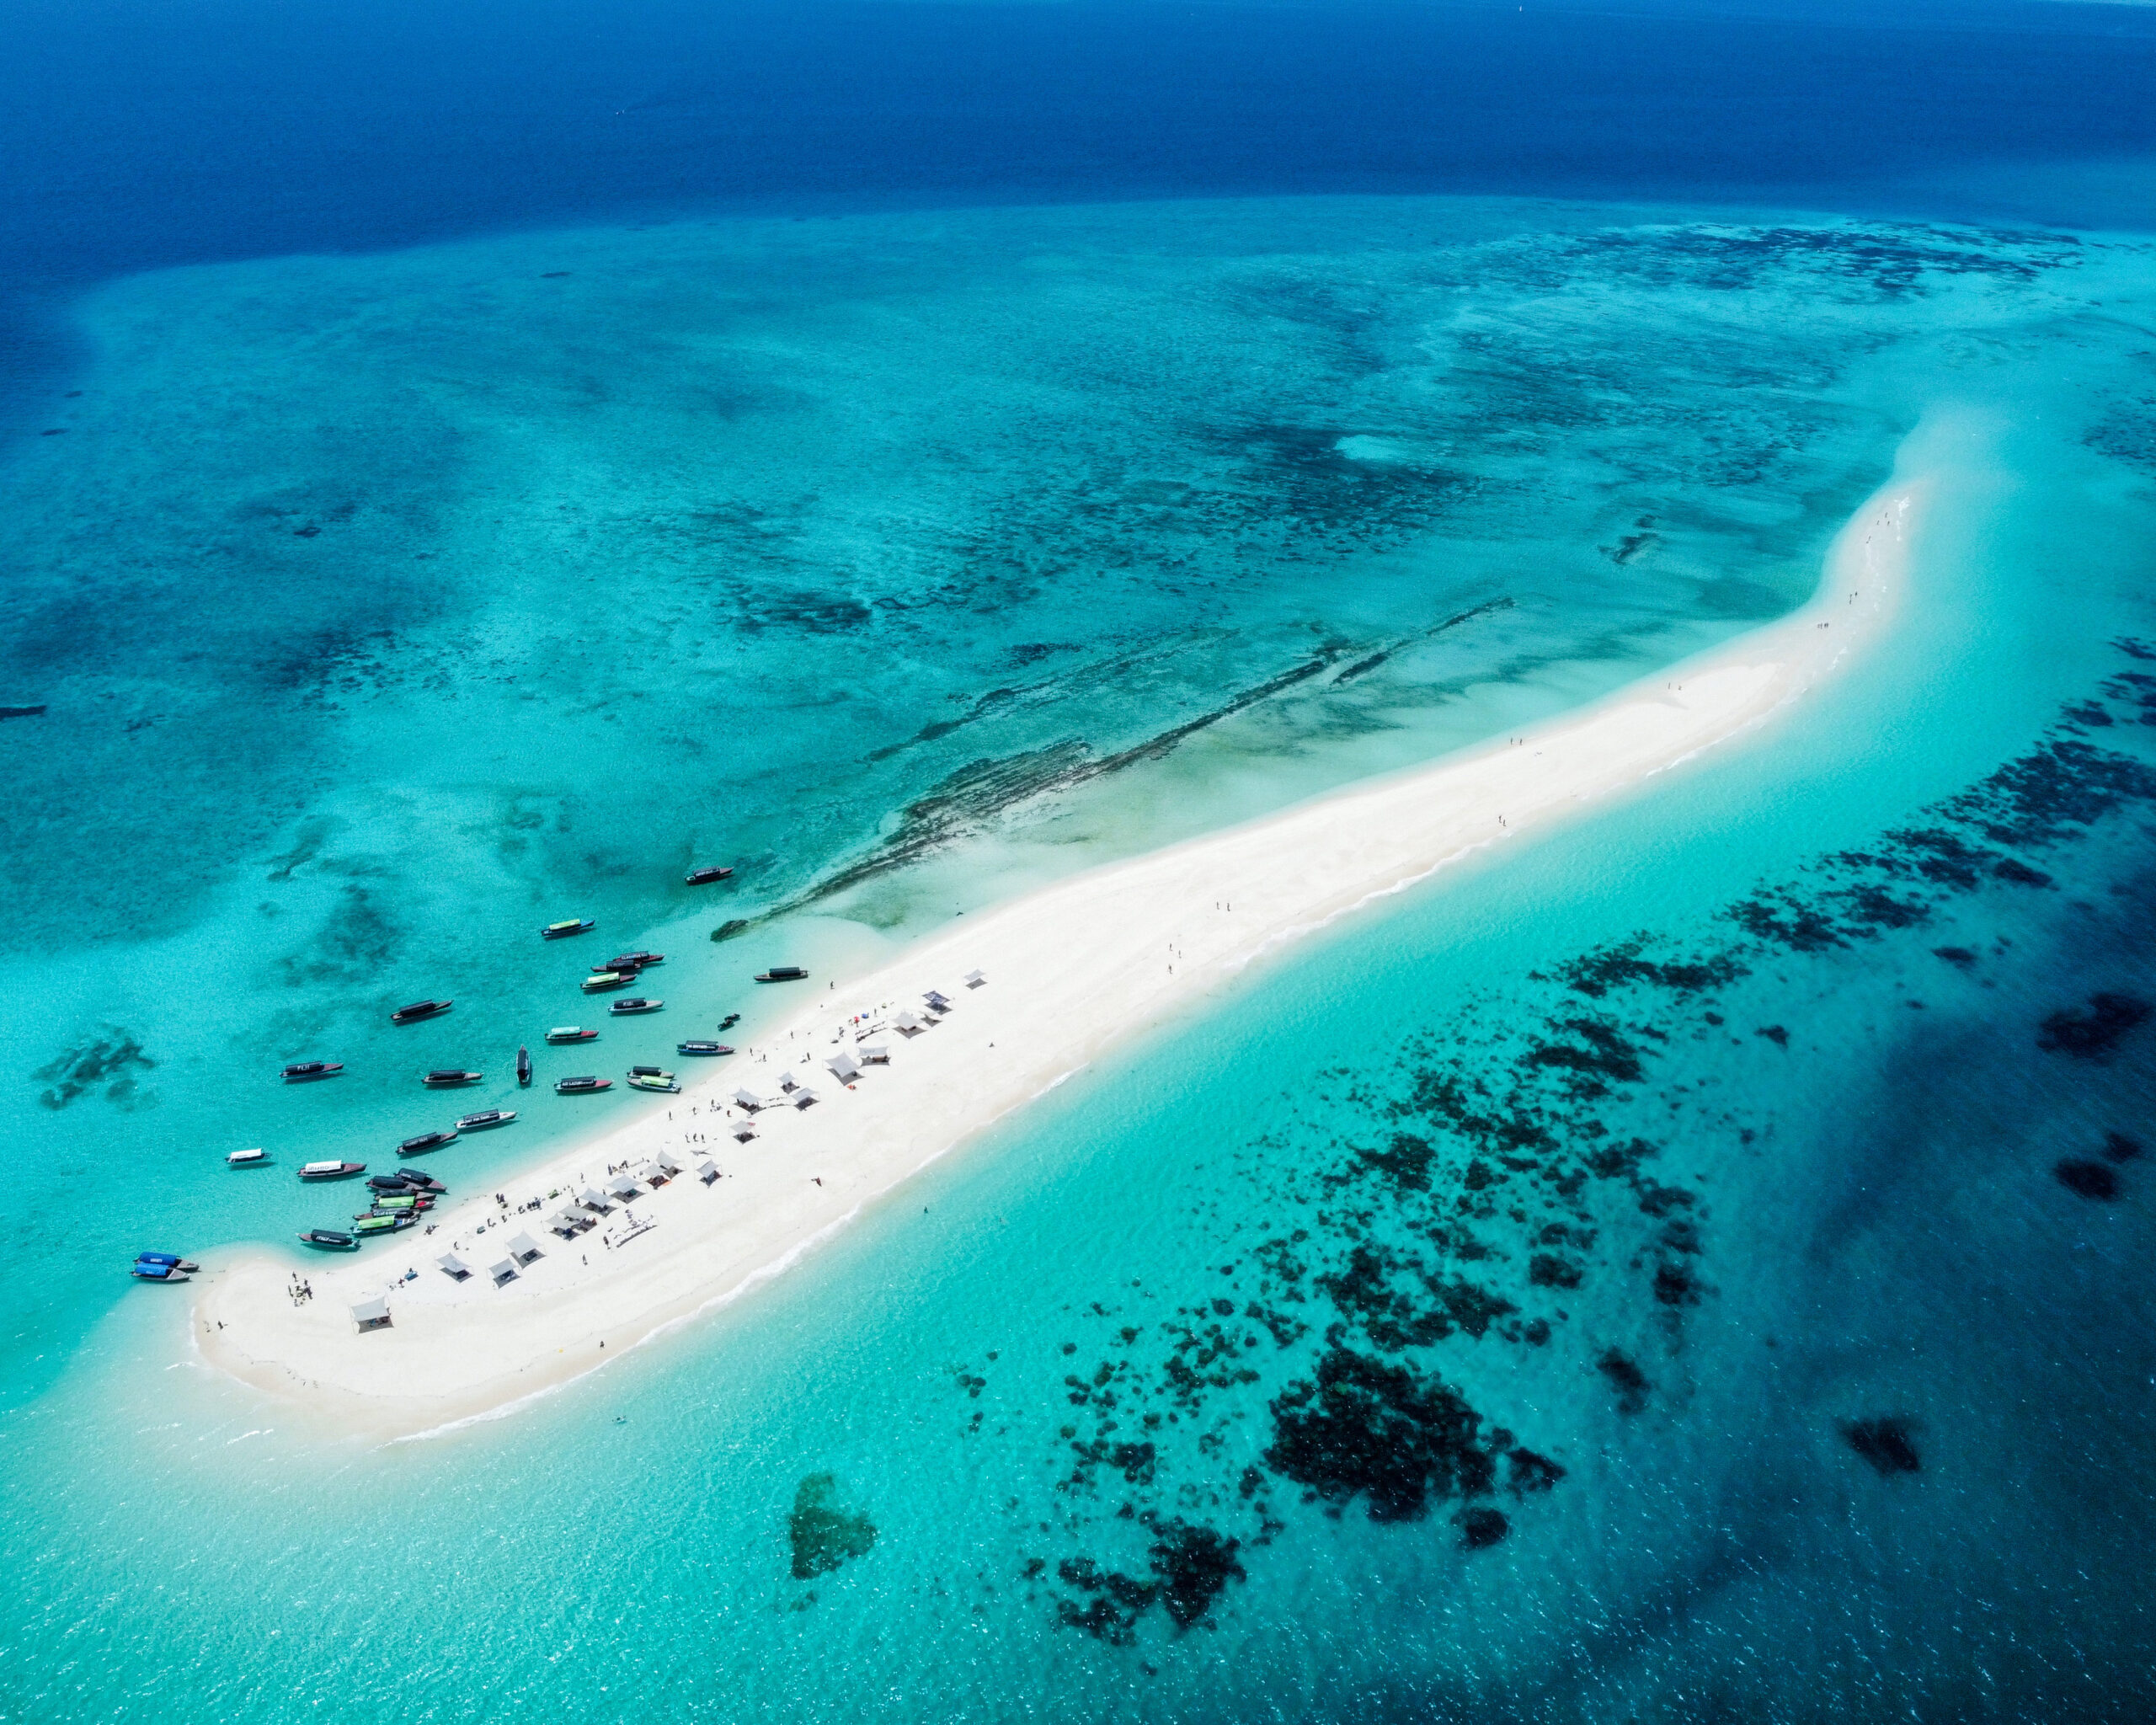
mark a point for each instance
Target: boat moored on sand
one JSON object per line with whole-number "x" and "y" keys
{"x": 301, "y": 1071}
{"x": 653, "y": 1080}
{"x": 329, "y": 1239}
{"x": 332, "y": 1170}
{"x": 146, "y": 1272}
{"x": 170, "y": 1260}
{"x": 418, "y": 1010}
{"x": 701, "y": 1047}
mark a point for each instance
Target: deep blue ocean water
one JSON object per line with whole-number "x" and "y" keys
{"x": 463, "y": 465}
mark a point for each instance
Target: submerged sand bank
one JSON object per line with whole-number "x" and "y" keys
{"x": 1067, "y": 971}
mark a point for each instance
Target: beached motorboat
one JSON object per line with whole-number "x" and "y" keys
{"x": 523, "y": 1064}
{"x": 329, "y": 1239}
{"x": 419, "y": 1009}
{"x": 248, "y": 1159}
{"x": 568, "y": 925}
{"x": 783, "y": 972}
{"x": 653, "y": 1080}
{"x": 170, "y": 1260}
{"x": 633, "y": 961}
{"x": 649, "y": 1072}
{"x": 449, "y": 1078}
{"x": 636, "y": 1003}
{"x": 571, "y": 1033}
{"x": 426, "y": 1141}
{"x": 332, "y": 1170}
{"x": 701, "y": 1047}
{"x": 380, "y": 1225}
{"x": 158, "y": 1273}
{"x": 301, "y": 1070}
{"x": 705, "y": 877}
{"x": 600, "y": 980}
{"x": 579, "y": 1086}
{"x": 393, "y": 1203}
{"x": 486, "y": 1117}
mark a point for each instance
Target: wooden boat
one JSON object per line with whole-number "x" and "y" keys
{"x": 419, "y": 1009}
{"x": 600, "y": 980}
{"x": 701, "y": 1047}
{"x": 783, "y": 972}
{"x": 380, "y": 1225}
{"x": 390, "y": 1204}
{"x": 523, "y": 1064}
{"x": 568, "y": 925}
{"x": 653, "y": 1080}
{"x": 581, "y": 1086}
{"x": 705, "y": 877}
{"x": 426, "y": 1141}
{"x": 484, "y": 1117}
{"x": 170, "y": 1260}
{"x": 248, "y": 1159}
{"x": 158, "y": 1273}
{"x": 329, "y": 1239}
{"x": 571, "y": 1033}
{"x": 636, "y": 1003}
{"x": 633, "y": 961}
{"x": 449, "y": 1078}
{"x": 332, "y": 1170}
{"x": 301, "y": 1071}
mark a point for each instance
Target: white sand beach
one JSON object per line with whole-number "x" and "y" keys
{"x": 1066, "y": 972}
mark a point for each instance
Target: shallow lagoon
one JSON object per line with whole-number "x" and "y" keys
{"x": 1893, "y": 1227}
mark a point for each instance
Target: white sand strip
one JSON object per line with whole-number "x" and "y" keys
{"x": 1069, "y": 970}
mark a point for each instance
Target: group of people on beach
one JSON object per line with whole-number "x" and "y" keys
{"x": 300, "y": 1291}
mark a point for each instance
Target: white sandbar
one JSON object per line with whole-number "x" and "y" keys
{"x": 1069, "y": 969}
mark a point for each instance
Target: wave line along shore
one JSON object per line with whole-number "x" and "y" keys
{"x": 1070, "y": 971}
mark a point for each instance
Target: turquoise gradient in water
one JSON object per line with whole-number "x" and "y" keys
{"x": 1853, "y": 1227}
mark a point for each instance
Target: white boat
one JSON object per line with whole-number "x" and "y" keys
{"x": 247, "y": 1158}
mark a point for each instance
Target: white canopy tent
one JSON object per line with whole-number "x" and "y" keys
{"x": 875, "y": 1054}
{"x": 593, "y": 1199}
{"x": 707, "y": 1171}
{"x": 743, "y": 1131}
{"x": 843, "y": 1067}
{"x": 974, "y": 979}
{"x": 372, "y": 1314}
{"x": 524, "y": 1248}
{"x": 454, "y": 1266}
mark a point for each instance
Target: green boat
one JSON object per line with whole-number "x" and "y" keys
{"x": 374, "y": 1225}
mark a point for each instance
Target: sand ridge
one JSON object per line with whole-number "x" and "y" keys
{"x": 1068, "y": 971}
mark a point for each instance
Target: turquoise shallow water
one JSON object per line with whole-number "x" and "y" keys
{"x": 1718, "y": 1284}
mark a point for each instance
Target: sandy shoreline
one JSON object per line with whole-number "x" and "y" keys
{"x": 1069, "y": 970}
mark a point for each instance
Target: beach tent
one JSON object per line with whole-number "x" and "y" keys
{"x": 503, "y": 1271}
{"x": 937, "y": 1000}
{"x": 621, "y": 1186}
{"x": 787, "y": 1082}
{"x": 666, "y": 1161}
{"x": 908, "y": 1022}
{"x": 592, "y": 1199}
{"x": 651, "y": 1174}
{"x": 843, "y": 1067}
{"x": 748, "y": 1099}
{"x": 974, "y": 979}
{"x": 743, "y": 1131}
{"x": 524, "y": 1248}
{"x": 801, "y": 1097}
{"x": 454, "y": 1266}
{"x": 875, "y": 1054}
{"x": 372, "y": 1314}
{"x": 565, "y": 1223}
{"x": 707, "y": 1172}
